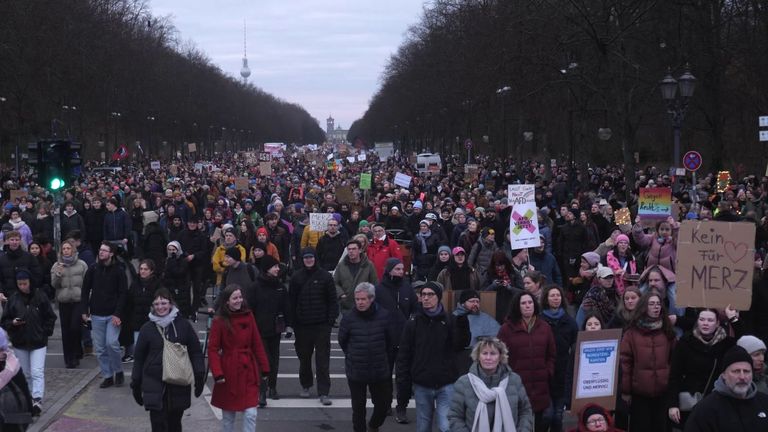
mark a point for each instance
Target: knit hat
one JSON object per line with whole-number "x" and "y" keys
{"x": 391, "y": 263}
{"x": 516, "y": 252}
{"x": 591, "y": 257}
{"x": 736, "y": 354}
{"x": 431, "y": 215}
{"x": 622, "y": 238}
{"x": 22, "y": 274}
{"x": 444, "y": 249}
{"x": 308, "y": 251}
{"x": 691, "y": 215}
{"x": 467, "y": 295}
{"x": 234, "y": 253}
{"x": 177, "y": 245}
{"x": 592, "y": 410}
{"x": 363, "y": 223}
{"x": 337, "y": 217}
{"x": 424, "y": 222}
{"x": 267, "y": 262}
{"x": 436, "y": 287}
{"x": 260, "y": 245}
{"x": 418, "y": 204}
{"x": 485, "y": 232}
{"x": 262, "y": 230}
{"x": 751, "y": 344}
{"x": 3, "y": 340}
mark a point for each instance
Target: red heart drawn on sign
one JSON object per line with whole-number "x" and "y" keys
{"x": 735, "y": 251}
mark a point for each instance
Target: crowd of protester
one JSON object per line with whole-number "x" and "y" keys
{"x": 142, "y": 250}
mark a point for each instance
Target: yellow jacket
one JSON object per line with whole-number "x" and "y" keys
{"x": 218, "y": 260}
{"x": 310, "y": 238}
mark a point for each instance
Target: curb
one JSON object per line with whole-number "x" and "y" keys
{"x": 51, "y": 414}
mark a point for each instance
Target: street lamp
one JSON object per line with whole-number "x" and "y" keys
{"x": 502, "y": 93}
{"x": 677, "y": 105}
{"x": 115, "y": 118}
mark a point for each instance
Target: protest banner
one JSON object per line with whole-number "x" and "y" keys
{"x": 155, "y": 165}
{"x": 241, "y": 183}
{"x": 471, "y": 171}
{"x": 723, "y": 180}
{"x": 361, "y": 157}
{"x": 596, "y": 369}
{"x": 15, "y": 194}
{"x": 715, "y": 263}
{"x": 344, "y": 194}
{"x": 622, "y": 216}
{"x": 403, "y": 180}
{"x": 365, "y": 181}
{"x": 654, "y": 204}
{"x": 191, "y": 147}
{"x": 523, "y": 222}
{"x": 265, "y": 168}
{"x": 319, "y": 221}
{"x": 265, "y": 157}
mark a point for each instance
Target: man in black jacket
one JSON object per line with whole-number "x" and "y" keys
{"x": 194, "y": 243}
{"x": 15, "y": 258}
{"x": 103, "y": 300}
{"x": 367, "y": 337}
{"x": 331, "y": 246}
{"x": 426, "y": 358}
{"x": 314, "y": 308}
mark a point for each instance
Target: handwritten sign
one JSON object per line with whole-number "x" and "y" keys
{"x": 723, "y": 180}
{"x": 365, "y": 181}
{"x": 344, "y": 194}
{"x": 655, "y": 203}
{"x": 319, "y": 221}
{"x": 471, "y": 171}
{"x": 192, "y": 147}
{"x": 622, "y": 216}
{"x": 241, "y": 183}
{"x": 265, "y": 168}
{"x": 596, "y": 368}
{"x": 715, "y": 262}
{"x": 523, "y": 222}
{"x": 265, "y": 157}
{"x": 403, "y": 180}
{"x": 155, "y": 165}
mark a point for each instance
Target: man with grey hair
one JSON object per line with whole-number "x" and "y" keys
{"x": 367, "y": 338}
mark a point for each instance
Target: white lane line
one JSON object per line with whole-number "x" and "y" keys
{"x": 296, "y": 358}
{"x": 315, "y": 403}
{"x": 291, "y": 375}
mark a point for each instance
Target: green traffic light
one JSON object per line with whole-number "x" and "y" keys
{"x": 57, "y": 183}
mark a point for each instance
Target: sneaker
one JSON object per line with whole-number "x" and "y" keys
{"x": 400, "y": 416}
{"x": 108, "y": 382}
{"x": 273, "y": 394}
{"x": 304, "y": 393}
{"x": 325, "y": 400}
{"x": 119, "y": 379}
{"x": 37, "y": 406}
{"x": 128, "y": 359}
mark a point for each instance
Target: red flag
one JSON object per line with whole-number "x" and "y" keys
{"x": 121, "y": 153}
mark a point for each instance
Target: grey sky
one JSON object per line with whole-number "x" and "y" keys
{"x": 327, "y": 55}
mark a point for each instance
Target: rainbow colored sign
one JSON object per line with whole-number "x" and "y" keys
{"x": 655, "y": 203}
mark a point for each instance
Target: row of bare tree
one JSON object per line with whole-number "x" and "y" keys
{"x": 542, "y": 77}
{"x": 108, "y": 72}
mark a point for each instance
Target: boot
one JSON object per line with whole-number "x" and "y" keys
{"x": 262, "y": 395}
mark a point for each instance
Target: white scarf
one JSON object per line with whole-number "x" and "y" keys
{"x": 503, "y": 420}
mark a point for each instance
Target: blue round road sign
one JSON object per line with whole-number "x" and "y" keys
{"x": 468, "y": 143}
{"x": 692, "y": 160}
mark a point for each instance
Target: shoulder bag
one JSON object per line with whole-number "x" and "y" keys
{"x": 177, "y": 368}
{"x": 688, "y": 400}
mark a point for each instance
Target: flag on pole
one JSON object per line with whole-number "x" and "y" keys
{"x": 138, "y": 145}
{"x": 121, "y": 153}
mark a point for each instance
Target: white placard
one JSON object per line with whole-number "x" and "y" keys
{"x": 763, "y": 121}
{"x": 319, "y": 221}
{"x": 403, "y": 180}
{"x": 361, "y": 157}
{"x": 596, "y": 375}
{"x": 198, "y": 167}
{"x": 351, "y": 159}
{"x": 155, "y": 165}
{"x": 763, "y": 135}
{"x": 523, "y": 221}
{"x": 679, "y": 171}
{"x": 329, "y": 157}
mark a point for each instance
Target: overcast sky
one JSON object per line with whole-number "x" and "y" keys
{"x": 326, "y": 55}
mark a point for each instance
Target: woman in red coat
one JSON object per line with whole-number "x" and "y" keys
{"x": 531, "y": 352}
{"x": 646, "y": 353}
{"x": 237, "y": 360}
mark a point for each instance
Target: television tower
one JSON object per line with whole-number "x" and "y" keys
{"x": 245, "y": 71}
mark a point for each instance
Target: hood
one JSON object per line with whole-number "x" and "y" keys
{"x": 724, "y": 390}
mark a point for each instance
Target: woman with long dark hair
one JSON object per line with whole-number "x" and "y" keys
{"x": 247, "y": 234}
{"x": 504, "y": 280}
{"x": 140, "y": 296}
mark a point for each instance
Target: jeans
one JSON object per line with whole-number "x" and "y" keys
{"x": 249, "y": 420}
{"x": 381, "y": 396}
{"x": 426, "y": 400}
{"x": 106, "y": 345}
{"x": 317, "y": 339}
{"x": 33, "y": 364}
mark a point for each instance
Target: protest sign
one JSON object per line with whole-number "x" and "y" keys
{"x": 596, "y": 369}
{"x": 622, "y": 216}
{"x": 715, "y": 262}
{"x": 241, "y": 183}
{"x": 523, "y": 222}
{"x": 191, "y": 147}
{"x": 319, "y": 221}
{"x": 155, "y": 165}
{"x": 16, "y": 194}
{"x": 265, "y": 168}
{"x": 265, "y": 157}
{"x": 361, "y": 157}
{"x": 655, "y": 204}
{"x": 198, "y": 167}
{"x": 471, "y": 171}
{"x": 351, "y": 159}
{"x": 365, "y": 181}
{"x": 344, "y": 194}
{"x": 403, "y": 180}
{"x": 723, "y": 180}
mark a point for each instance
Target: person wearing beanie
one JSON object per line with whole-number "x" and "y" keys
{"x": 15, "y": 257}
{"x": 756, "y": 348}
{"x": 314, "y": 310}
{"x": 480, "y": 324}
{"x": 268, "y": 300}
{"x": 382, "y": 248}
{"x": 229, "y": 241}
{"x": 238, "y": 271}
{"x": 196, "y": 248}
{"x": 621, "y": 261}
{"x": 424, "y": 249}
{"x": 735, "y": 405}
{"x": 594, "y": 418}
{"x": 29, "y": 318}
{"x": 482, "y": 251}
{"x": 458, "y": 274}
{"x": 570, "y": 240}
{"x": 444, "y": 257}
{"x": 426, "y": 361}
{"x": 262, "y": 235}
{"x": 177, "y": 278}
{"x": 351, "y": 271}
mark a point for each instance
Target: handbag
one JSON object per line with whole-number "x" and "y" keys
{"x": 687, "y": 400}
{"x": 14, "y": 406}
{"x": 177, "y": 368}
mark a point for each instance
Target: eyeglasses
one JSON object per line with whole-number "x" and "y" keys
{"x": 596, "y": 422}
{"x": 105, "y": 250}
{"x": 428, "y": 294}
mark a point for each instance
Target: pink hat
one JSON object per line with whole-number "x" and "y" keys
{"x": 458, "y": 249}
{"x": 622, "y": 238}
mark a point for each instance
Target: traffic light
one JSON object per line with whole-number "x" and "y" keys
{"x": 58, "y": 162}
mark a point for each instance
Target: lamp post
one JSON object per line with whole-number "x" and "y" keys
{"x": 115, "y": 118}
{"x": 502, "y": 93}
{"x": 151, "y": 120}
{"x": 677, "y": 104}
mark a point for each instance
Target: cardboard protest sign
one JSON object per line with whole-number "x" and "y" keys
{"x": 365, "y": 181}
{"x": 319, "y": 221}
{"x": 655, "y": 204}
{"x": 361, "y": 157}
{"x": 622, "y": 216}
{"x": 723, "y": 180}
{"x": 596, "y": 369}
{"x": 523, "y": 222}
{"x": 17, "y": 193}
{"x": 344, "y": 194}
{"x": 155, "y": 165}
{"x": 265, "y": 157}
{"x": 241, "y": 183}
{"x": 265, "y": 168}
{"x": 471, "y": 171}
{"x": 192, "y": 147}
{"x": 715, "y": 262}
{"x": 403, "y": 180}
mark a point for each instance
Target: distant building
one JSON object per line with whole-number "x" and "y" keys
{"x": 335, "y": 135}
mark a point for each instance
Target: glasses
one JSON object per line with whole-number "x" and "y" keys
{"x": 428, "y": 294}
{"x": 596, "y": 422}
{"x": 105, "y": 250}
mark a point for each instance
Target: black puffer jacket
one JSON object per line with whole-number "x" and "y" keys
{"x": 695, "y": 366}
{"x": 38, "y": 316}
{"x": 329, "y": 250}
{"x": 155, "y": 242}
{"x": 148, "y": 365}
{"x": 399, "y": 298}
{"x": 565, "y": 330}
{"x": 176, "y": 279}
{"x": 367, "y": 339}
{"x": 104, "y": 290}
{"x": 139, "y": 301}
{"x": 10, "y": 261}
{"x": 268, "y": 299}
{"x": 313, "y": 297}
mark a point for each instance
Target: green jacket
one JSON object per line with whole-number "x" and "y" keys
{"x": 346, "y": 283}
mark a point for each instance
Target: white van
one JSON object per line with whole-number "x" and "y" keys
{"x": 429, "y": 163}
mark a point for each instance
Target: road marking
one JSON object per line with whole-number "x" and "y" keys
{"x": 294, "y": 357}
{"x": 315, "y": 403}
{"x": 292, "y": 375}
